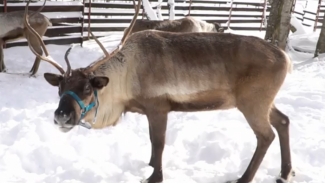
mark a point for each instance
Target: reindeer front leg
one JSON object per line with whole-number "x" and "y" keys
{"x": 2, "y": 63}
{"x": 152, "y": 149}
{"x": 157, "y": 124}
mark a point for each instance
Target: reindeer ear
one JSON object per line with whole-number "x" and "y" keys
{"x": 53, "y": 79}
{"x": 99, "y": 82}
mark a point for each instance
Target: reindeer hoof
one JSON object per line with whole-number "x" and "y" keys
{"x": 233, "y": 181}
{"x": 282, "y": 180}
{"x": 3, "y": 70}
{"x": 237, "y": 181}
{"x": 147, "y": 181}
{"x": 32, "y": 76}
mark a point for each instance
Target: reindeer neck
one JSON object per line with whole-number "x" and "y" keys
{"x": 112, "y": 96}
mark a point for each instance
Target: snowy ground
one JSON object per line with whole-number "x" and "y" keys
{"x": 201, "y": 147}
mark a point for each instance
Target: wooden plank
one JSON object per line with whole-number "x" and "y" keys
{"x": 109, "y": 20}
{"x": 247, "y": 28}
{"x": 179, "y": 7}
{"x": 320, "y": 20}
{"x": 105, "y": 29}
{"x": 60, "y": 41}
{"x": 201, "y": 1}
{"x": 111, "y": 5}
{"x": 56, "y": 31}
{"x": 215, "y": 8}
{"x": 236, "y": 21}
{"x": 176, "y": 14}
{"x": 249, "y": 3}
{"x": 45, "y": 9}
{"x": 55, "y": 21}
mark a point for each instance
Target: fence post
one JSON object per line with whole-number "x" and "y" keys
{"x": 189, "y": 9}
{"x": 89, "y": 11}
{"x": 82, "y": 22}
{"x": 263, "y": 15}
{"x": 229, "y": 19}
{"x": 317, "y": 14}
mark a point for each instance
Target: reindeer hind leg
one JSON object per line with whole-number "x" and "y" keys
{"x": 281, "y": 123}
{"x": 257, "y": 118}
{"x": 256, "y": 110}
{"x": 2, "y": 63}
{"x": 37, "y": 47}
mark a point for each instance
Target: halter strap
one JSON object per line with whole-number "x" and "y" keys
{"x": 84, "y": 109}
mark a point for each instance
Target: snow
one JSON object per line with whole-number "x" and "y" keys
{"x": 201, "y": 147}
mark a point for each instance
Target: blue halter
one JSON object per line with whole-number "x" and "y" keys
{"x": 83, "y": 107}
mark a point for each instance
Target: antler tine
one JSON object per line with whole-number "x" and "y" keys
{"x": 96, "y": 64}
{"x": 67, "y": 73}
{"x": 100, "y": 44}
{"x": 132, "y": 23}
{"x": 48, "y": 57}
{"x": 39, "y": 10}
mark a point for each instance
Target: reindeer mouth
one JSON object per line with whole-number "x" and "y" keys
{"x": 64, "y": 125}
{"x": 65, "y": 129}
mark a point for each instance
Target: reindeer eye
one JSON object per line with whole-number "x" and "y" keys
{"x": 87, "y": 89}
{"x": 60, "y": 87}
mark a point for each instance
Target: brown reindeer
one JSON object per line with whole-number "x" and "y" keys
{"x": 12, "y": 28}
{"x": 156, "y": 72}
{"x": 186, "y": 24}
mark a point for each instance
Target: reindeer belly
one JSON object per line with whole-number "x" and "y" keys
{"x": 8, "y": 25}
{"x": 202, "y": 101}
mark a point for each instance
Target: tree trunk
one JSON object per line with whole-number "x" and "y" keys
{"x": 273, "y": 21}
{"x": 285, "y": 23}
{"x": 320, "y": 47}
{"x": 278, "y": 25}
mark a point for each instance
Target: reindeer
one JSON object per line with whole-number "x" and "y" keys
{"x": 186, "y": 24}
{"x": 156, "y": 72}
{"x": 12, "y": 28}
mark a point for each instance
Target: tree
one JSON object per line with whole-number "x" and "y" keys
{"x": 320, "y": 47}
{"x": 273, "y": 21}
{"x": 278, "y": 26}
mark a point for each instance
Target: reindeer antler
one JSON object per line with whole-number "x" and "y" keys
{"x": 96, "y": 64}
{"x": 48, "y": 58}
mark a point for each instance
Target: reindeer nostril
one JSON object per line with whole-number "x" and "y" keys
{"x": 62, "y": 117}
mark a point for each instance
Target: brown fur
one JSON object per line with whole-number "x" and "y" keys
{"x": 38, "y": 22}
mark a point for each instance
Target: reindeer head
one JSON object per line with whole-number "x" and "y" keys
{"x": 77, "y": 87}
{"x": 218, "y": 27}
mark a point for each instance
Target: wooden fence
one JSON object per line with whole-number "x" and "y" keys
{"x": 71, "y": 18}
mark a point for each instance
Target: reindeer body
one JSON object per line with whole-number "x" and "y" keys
{"x": 188, "y": 72}
{"x": 187, "y": 24}
{"x": 12, "y": 28}
{"x": 157, "y": 72}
